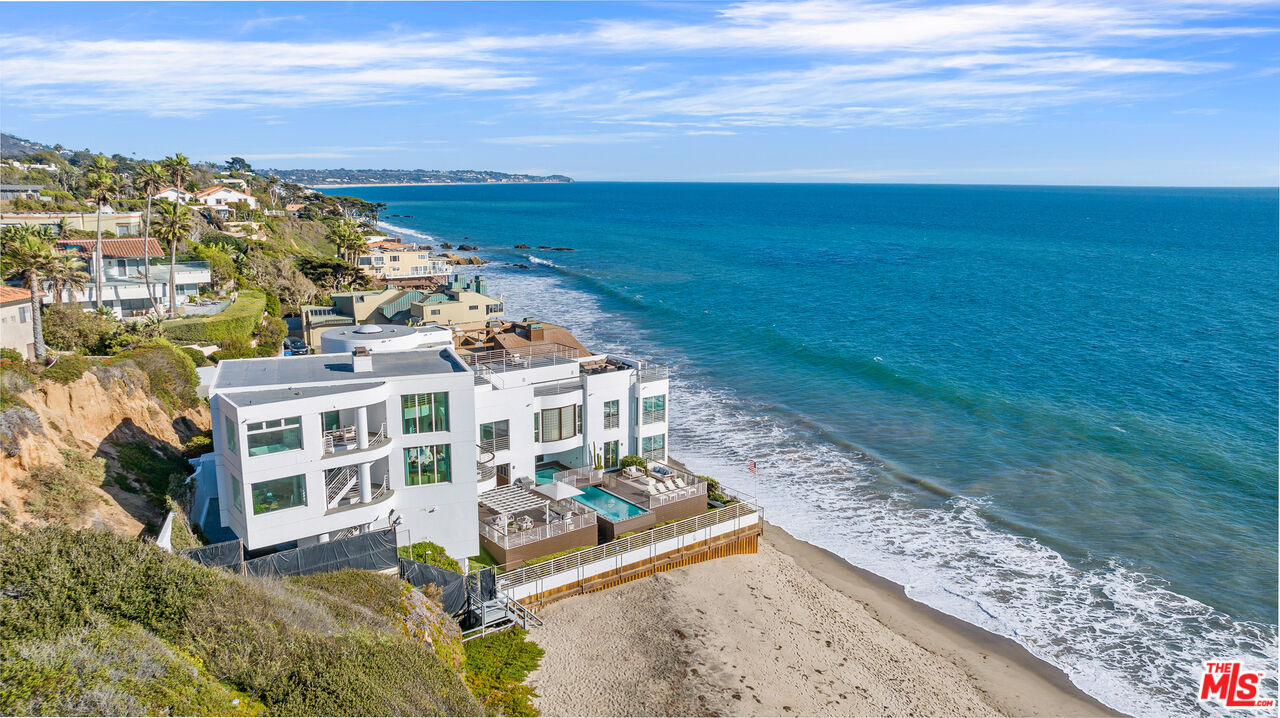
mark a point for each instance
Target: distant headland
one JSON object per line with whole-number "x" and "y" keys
{"x": 355, "y": 178}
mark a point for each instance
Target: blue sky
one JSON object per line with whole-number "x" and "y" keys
{"x": 996, "y": 91}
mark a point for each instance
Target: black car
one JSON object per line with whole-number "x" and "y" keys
{"x": 294, "y": 347}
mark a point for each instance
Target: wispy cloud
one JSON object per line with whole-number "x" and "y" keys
{"x": 586, "y": 138}
{"x": 832, "y": 63}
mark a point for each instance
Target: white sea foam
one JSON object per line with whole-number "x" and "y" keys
{"x": 538, "y": 260}
{"x": 405, "y": 231}
{"x": 1120, "y": 635}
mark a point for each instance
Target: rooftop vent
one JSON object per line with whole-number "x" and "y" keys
{"x": 361, "y": 360}
{"x": 369, "y": 329}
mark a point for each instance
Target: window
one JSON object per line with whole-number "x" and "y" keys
{"x": 493, "y": 309}
{"x": 556, "y": 424}
{"x": 24, "y": 315}
{"x": 435, "y": 312}
{"x": 366, "y": 261}
{"x": 268, "y": 437}
{"x": 395, "y": 258}
{"x": 231, "y": 435}
{"x": 278, "y": 494}
{"x": 427, "y": 465}
{"x": 654, "y": 409}
{"x": 473, "y": 307}
{"x": 237, "y": 492}
{"x": 425, "y": 412}
{"x": 379, "y": 260}
{"x": 654, "y": 448}
{"x": 610, "y": 454}
{"x": 537, "y": 426}
{"x": 495, "y": 436}
{"x": 329, "y": 421}
{"x": 611, "y": 414}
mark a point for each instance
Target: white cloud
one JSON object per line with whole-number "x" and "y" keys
{"x": 598, "y": 138}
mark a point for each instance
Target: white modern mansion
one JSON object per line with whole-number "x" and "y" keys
{"x": 398, "y": 428}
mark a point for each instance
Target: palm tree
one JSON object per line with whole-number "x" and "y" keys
{"x": 179, "y": 169}
{"x": 174, "y": 226}
{"x": 29, "y": 251}
{"x": 65, "y": 273}
{"x": 102, "y": 185}
{"x": 151, "y": 177}
{"x": 348, "y": 239}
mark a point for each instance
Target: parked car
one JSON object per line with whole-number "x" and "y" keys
{"x": 294, "y": 347}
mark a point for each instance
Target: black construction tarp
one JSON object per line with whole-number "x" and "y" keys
{"x": 453, "y": 586}
{"x": 228, "y": 554}
{"x": 374, "y": 551}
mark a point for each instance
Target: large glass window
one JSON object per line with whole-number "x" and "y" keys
{"x": 329, "y": 421}
{"x": 562, "y": 423}
{"x": 495, "y": 436}
{"x": 610, "y": 454}
{"x": 427, "y": 465}
{"x": 237, "y": 491}
{"x": 425, "y": 412}
{"x": 611, "y": 414}
{"x": 537, "y": 426}
{"x": 279, "y": 494}
{"x": 654, "y": 409}
{"x": 654, "y": 448}
{"x": 230, "y": 426}
{"x": 268, "y": 437}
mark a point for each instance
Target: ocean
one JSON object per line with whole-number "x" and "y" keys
{"x": 1049, "y": 411}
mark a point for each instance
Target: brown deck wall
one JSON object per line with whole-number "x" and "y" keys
{"x": 585, "y": 536}
{"x": 682, "y": 509}
{"x": 610, "y": 530}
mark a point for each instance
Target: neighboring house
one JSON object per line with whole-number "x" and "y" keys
{"x": 219, "y": 197}
{"x": 314, "y": 448}
{"x": 174, "y": 194}
{"x": 391, "y": 261}
{"x": 22, "y": 191}
{"x": 522, "y": 336}
{"x": 15, "y": 321}
{"x": 294, "y": 208}
{"x": 461, "y": 302}
{"x": 124, "y": 287}
{"x": 121, "y": 224}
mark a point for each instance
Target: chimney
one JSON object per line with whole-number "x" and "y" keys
{"x": 536, "y": 332}
{"x": 361, "y": 360}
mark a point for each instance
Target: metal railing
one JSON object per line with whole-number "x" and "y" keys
{"x": 655, "y": 455}
{"x": 579, "y": 477}
{"x": 511, "y": 538}
{"x": 698, "y": 488}
{"x": 653, "y": 416}
{"x": 484, "y": 472}
{"x": 497, "y": 443}
{"x": 531, "y": 357}
{"x": 577, "y": 559}
{"x": 652, "y": 372}
{"x": 553, "y": 389}
{"x": 612, "y": 422}
{"x": 349, "y": 440}
{"x": 336, "y": 486}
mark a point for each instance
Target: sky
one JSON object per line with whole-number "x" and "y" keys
{"x": 1165, "y": 92}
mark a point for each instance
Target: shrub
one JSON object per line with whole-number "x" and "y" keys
{"x": 236, "y": 347}
{"x": 496, "y": 668}
{"x": 8, "y": 354}
{"x": 222, "y": 269}
{"x": 66, "y": 369}
{"x": 171, "y": 374}
{"x": 269, "y": 336}
{"x": 197, "y": 357}
{"x": 632, "y": 460}
{"x": 239, "y": 319}
{"x": 60, "y": 493}
{"x": 430, "y": 553}
{"x": 68, "y": 328}
{"x": 157, "y": 468}
{"x": 714, "y": 492}
{"x": 273, "y": 305}
{"x": 198, "y": 445}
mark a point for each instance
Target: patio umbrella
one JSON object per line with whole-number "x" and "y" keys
{"x": 557, "y": 490}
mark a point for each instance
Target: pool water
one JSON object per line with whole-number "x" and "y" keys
{"x": 607, "y": 505}
{"x": 544, "y": 475}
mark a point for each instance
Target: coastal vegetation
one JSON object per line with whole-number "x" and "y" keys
{"x": 432, "y": 554}
{"x": 496, "y": 668}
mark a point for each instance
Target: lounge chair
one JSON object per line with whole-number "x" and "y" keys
{"x": 671, "y": 486}
{"x": 680, "y": 484}
{"x": 653, "y": 490}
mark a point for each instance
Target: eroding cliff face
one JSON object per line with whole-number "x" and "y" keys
{"x": 89, "y": 417}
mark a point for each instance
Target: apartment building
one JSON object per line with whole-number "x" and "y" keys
{"x": 460, "y": 302}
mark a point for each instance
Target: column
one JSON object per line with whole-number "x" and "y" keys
{"x": 366, "y": 484}
{"x": 362, "y": 429}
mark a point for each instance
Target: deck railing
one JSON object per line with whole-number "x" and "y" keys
{"x": 531, "y": 357}
{"x": 579, "y": 477}
{"x": 555, "y": 388}
{"x": 577, "y": 559}
{"x": 512, "y": 538}
{"x": 652, "y": 372}
{"x": 498, "y": 443}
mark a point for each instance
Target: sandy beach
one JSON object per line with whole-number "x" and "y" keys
{"x": 791, "y": 630}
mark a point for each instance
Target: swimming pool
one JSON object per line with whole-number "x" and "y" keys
{"x": 546, "y": 473}
{"x": 607, "y": 505}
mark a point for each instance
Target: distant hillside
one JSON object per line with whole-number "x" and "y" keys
{"x": 321, "y": 178}
{"x": 12, "y": 148}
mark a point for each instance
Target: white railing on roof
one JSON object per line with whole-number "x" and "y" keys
{"x": 651, "y": 372}
{"x": 555, "y": 388}
{"x": 531, "y": 357}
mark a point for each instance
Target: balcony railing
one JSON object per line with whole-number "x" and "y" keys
{"x": 579, "y": 477}
{"x": 509, "y": 538}
{"x": 532, "y": 357}
{"x": 651, "y": 372}
{"x": 611, "y": 421}
{"x": 657, "y": 455}
{"x": 347, "y": 439}
{"x": 653, "y": 416}
{"x": 498, "y": 443}
{"x": 553, "y": 389}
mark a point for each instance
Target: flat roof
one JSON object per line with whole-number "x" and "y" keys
{"x": 259, "y": 397}
{"x": 329, "y": 368}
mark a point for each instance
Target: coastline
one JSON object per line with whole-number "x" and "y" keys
{"x": 791, "y": 630}
{"x": 418, "y": 184}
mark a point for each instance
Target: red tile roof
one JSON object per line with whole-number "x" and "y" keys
{"x": 215, "y": 188}
{"x": 122, "y": 247}
{"x": 14, "y": 294}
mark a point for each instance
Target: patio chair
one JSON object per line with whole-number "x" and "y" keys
{"x": 671, "y": 486}
{"x": 679, "y": 482}
{"x": 633, "y": 472}
{"x": 653, "y": 490}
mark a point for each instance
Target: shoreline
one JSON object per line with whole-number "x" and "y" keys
{"x": 418, "y": 184}
{"x": 791, "y": 630}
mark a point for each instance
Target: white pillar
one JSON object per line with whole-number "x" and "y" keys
{"x": 366, "y": 484}
{"x": 362, "y": 430}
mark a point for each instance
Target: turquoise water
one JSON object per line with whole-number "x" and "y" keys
{"x": 1049, "y": 411}
{"x": 544, "y": 475}
{"x": 607, "y": 505}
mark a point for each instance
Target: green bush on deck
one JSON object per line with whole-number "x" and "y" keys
{"x": 633, "y": 460}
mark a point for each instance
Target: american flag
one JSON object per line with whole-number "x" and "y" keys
{"x": 751, "y": 465}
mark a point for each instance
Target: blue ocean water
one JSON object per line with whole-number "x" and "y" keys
{"x": 1049, "y": 411}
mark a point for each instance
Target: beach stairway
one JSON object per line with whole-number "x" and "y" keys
{"x": 496, "y": 614}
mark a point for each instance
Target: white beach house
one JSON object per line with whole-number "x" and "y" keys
{"x": 317, "y": 447}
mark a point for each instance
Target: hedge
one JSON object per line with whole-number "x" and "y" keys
{"x": 239, "y": 319}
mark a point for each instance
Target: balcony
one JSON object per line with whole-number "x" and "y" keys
{"x": 346, "y": 439}
{"x": 498, "y": 443}
{"x": 537, "y": 355}
{"x": 653, "y": 416}
{"x": 611, "y": 422}
{"x": 651, "y": 372}
{"x": 556, "y": 388}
